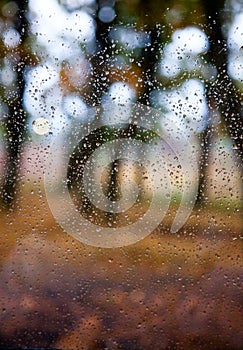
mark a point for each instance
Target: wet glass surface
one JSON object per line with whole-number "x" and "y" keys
{"x": 120, "y": 174}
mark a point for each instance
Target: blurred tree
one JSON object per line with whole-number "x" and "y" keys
{"x": 99, "y": 59}
{"x": 13, "y": 97}
{"x": 100, "y": 81}
{"x": 223, "y": 91}
{"x": 222, "y": 94}
{"x": 158, "y": 20}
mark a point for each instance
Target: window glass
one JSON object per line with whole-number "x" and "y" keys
{"x": 120, "y": 174}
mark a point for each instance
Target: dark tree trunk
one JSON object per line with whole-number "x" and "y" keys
{"x": 100, "y": 82}
{"x": 149, "y": 61}
{"x": 205, "y": 140}
{"x": 222, "y": 92}
{"x": 15, "y": 123}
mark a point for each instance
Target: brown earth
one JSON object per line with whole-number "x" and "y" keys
{"x": 168, "y": 291}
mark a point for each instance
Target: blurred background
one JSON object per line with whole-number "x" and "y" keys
{"x": 60, "y": 58}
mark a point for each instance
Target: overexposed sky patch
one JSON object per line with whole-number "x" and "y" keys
{"x": 74, "y": 106}
{"x": 186, "y": 105}
{"x": 186, "y": 44}
{"x": 60, "y": 31}
{"x": 235, "y": 44}
{"x": 58, "y": 34}
{"x": 235, "y": 35}
{"x": 118, "y": 95}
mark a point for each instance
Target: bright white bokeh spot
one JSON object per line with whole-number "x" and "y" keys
{"x": 74, "y": 106}
{"x": 11, "y": 38}
{"x": 235, "y": 44}
{"x": 190, "y": 39}
{"x": 119, "y": 94}
{"x": 39, "y": 96}
{"x": 181, "y": 53}
{"x": 41, "y": 126}
{"x": 235, "y": 66}
{"x": 7, "y": 75}
{"x": 75, "y": 4}
{"x": 186, "y": 106}
{"x": 60, "y": 31}
{"x": 235, "y": 36}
